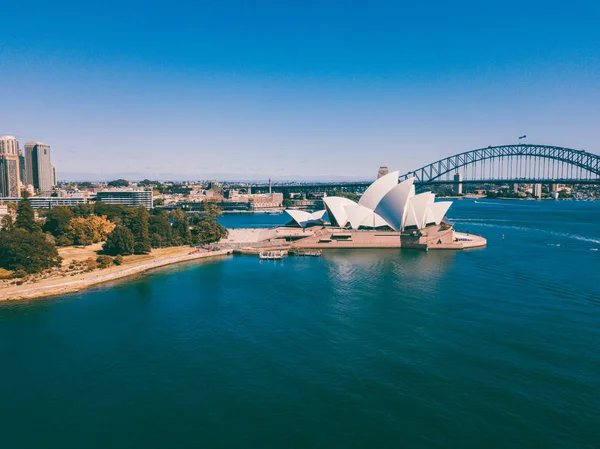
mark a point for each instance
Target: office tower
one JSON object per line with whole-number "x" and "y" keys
{"x": 10, "y": 179}
{"x": 38, "y": 168}
{"x": 53, "y": 175}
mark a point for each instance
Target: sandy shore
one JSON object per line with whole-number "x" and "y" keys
{"x": 62, "y": 285}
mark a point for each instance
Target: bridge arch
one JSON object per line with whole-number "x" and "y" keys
{"x": 511, "y": 158}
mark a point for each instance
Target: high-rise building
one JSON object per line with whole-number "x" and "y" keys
{"x": 10, "y": 179}
{"x": 38, "y": 168}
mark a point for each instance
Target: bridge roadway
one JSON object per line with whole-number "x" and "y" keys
{"x": 362, "y": 185}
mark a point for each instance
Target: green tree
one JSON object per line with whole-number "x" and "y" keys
{"x": 160, "y": 229}
{"x": 118, "y": 183}
{"x": 28, "y": 251}
{"x": 208, "y": 230}
{"x": 113, "y": 212}
{"x": 180, "y": 228}
{"x": 26, "y": 217}
{"x": 119, "y": 242}
{"x": 85, "y": 185}
{"x": 148, "y": 183}
{"x": 83, "y": 210}
{"x": 7, "y": 224}
{"x": 211, "y": 209}
{"x": 136, "y": 219}
{"x": 350, "y": 195}
{"x": 57, "y": 221}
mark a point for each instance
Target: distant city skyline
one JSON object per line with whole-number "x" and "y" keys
{"x": 308, "y": 92}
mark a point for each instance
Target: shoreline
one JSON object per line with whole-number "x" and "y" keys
{"x": 60, "y": 286}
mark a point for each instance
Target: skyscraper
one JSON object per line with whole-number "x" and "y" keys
{"x": 38, "y": 168}
{"x": 10, "y": 179}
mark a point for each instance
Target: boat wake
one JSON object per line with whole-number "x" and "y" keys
{"x": 566, "y": 235}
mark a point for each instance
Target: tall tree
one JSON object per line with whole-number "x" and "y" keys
{"x": 137, "y": 222}
{"x": 119, "y": 242}
{"x": 92, "y": 229}
{"x": 211, "y": 209}
{"x": 29, "y": 251}
{"x": 208, "y": 230}
{"x": 26, "y": 217}
{"x": 7, "y": 224}
{"x": 57, "y": 221}
{"x": 181, "y": 228}
{"x": 83, "y": 210}
{"x": 114, "y": 212}
{"x": 160, "y": 229}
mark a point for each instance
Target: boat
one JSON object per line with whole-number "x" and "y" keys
{"x": 271, "y": 255}
{"x": 307, "y": 253}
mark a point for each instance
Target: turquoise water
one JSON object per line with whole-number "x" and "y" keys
{"x": 490, "y": 348}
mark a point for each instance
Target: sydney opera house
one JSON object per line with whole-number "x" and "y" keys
{"x": 396, "y": 215}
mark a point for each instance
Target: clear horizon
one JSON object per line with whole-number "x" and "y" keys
{"x": 246, "y": 91}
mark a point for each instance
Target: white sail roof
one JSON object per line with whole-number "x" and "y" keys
{"x": 376, "y": 191}
{"x": 303, "y": 218}
{"x": 335, "y": 209}
{"x": 437, "y": 211}
{"x": 358, "y": 214}
{"x": 392, "y": 207}
{"x": 417, "y": 209}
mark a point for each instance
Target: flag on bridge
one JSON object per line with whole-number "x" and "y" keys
{"x": 522, "y": 137}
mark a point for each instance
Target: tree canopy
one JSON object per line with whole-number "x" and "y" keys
{"x": 26, "y": 217}
{"x": 57, "y": 220}
{"x": 118, "y": 183}
{"x": 119, "y": 242}
{"x": 28, "y": 251}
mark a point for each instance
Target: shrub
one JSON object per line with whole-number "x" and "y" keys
{"x": 118, "y": 260}
{"x": 104, "y": 261}
{"x": 91, "y": 264}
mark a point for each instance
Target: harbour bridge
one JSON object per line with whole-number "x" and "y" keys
{"x": 506, "y": 164}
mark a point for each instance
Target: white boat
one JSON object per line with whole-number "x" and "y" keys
{"x": 271, "y": 255}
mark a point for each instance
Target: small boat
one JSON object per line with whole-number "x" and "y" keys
{"x": 308, "y": 253}
{"x": 271, "y": 255}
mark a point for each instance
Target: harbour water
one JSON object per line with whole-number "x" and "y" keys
{"x": 490, "y": 348}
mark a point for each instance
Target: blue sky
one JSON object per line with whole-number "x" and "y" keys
{"x": 293, "y": 90}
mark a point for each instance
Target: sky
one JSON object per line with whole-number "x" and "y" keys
{"x": 293, "y": 90}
